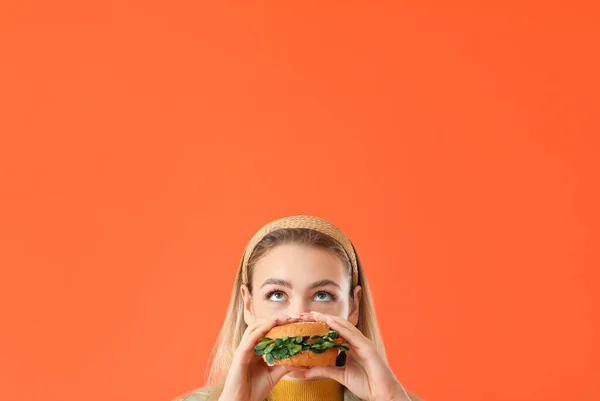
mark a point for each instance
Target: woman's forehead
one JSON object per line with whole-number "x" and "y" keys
{"x": 299, "y": 264}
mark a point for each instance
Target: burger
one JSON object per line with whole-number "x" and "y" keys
{"x": 302, "y": 344}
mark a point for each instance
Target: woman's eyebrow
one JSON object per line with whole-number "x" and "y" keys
{"x": 276, "y": 281}
{"x": 322, "y": 283}
{"x": 285, "y": 283}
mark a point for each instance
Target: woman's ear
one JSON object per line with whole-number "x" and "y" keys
{"x": 248, "y": 309}
{"x": 355, "y": 307}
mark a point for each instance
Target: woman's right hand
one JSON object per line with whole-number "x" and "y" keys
{"x": 250, "y": 378}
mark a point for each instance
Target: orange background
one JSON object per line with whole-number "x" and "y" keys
{"x": 143, "y": 143}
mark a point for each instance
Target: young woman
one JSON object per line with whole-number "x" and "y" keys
{"x": 299, "y": 268}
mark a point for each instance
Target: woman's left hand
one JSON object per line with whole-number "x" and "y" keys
{"x": 366, "y": 374}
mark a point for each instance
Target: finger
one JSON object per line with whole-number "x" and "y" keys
{"x": 244, "y": 353}
{"x": 332, "y": 372}
{"x": 361, "y": 345}
{"x": 255, "y": 332}
{"x": 373, "y": 366}
{"x": 271, "y": 321}
{"x": 277, "y": 372}
{"x": 307, "y": 317}
{"x": 281, "y": 319}
{"x": 263, "y": 325}
{"x": 352, "y": 358}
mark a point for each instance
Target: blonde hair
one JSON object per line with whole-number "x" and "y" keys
{"x": 234, "y": 325}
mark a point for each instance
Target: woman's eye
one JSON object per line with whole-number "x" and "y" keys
{"x": 323, "y": 297}
{"x": 277, "y": 296}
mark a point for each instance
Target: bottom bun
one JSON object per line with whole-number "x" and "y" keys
{"x": 309, "y": 358}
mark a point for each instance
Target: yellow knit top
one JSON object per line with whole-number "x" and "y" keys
{"x": 308, "y": 390}
{"x": 288, "y": 390}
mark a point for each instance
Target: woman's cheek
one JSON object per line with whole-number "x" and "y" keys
{"x": 328, "y": 308}
{"x": 274, "y": 308}
{"x": 270, "y": 308}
